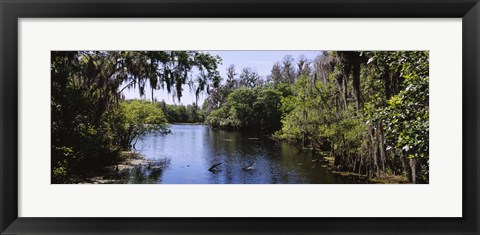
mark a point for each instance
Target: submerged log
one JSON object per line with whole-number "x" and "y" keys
{"x": 212, "y": 168}
{"x": 249, "y": 167}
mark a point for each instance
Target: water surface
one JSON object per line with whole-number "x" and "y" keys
{"x": 244, "y": 158}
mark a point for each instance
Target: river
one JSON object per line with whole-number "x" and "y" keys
{"x": 186, "y": 155}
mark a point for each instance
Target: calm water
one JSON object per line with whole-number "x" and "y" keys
{"x": 186, "y": 155}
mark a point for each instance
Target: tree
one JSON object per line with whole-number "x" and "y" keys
{"x": 288, "y": 70}
{"x": 324, "y": 65}
{"x": 401, "y": 115}
{"x": 305, "y": 112}
{"x": 350, "y": 61}
{"x": 217, "y": 98}
{"x": 208, "y": 75}
{"x": 137, "y": 118}
{"x": 86, "y": 92}
{"x": 303, "y": 65}
{"x": 249, "y": 109}
{"x": 276, "y": 73}
{"x": 249, "y": 78}
{"x": 231, "y": 80}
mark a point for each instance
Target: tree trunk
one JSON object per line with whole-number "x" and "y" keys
{"x": 413, "y": 167}
{"x": 387, "y": 82}
{"x": 375, "y": 149}
{"x": 356, "y": 84}
{"x": 382, "y": 146}
{"x": 345, "y": 90}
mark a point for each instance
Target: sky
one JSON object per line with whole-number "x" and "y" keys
{"x": 260, "y": 61}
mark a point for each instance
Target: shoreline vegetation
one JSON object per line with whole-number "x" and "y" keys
{"x": 121, "y": 171}
{"x": 382, "y": 179}
{"x": 109, "y": 174}
{"x": 366, "y": 114}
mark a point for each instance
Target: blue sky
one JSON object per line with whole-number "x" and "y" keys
{"x": 260, "y": 61}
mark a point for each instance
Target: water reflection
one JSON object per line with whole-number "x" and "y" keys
{"x": 149, "y": 173}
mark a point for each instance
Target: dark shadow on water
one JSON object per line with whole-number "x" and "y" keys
{"x": 148, "y": 173}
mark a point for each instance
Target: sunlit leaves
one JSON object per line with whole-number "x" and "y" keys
{"x": 137, "y": 118}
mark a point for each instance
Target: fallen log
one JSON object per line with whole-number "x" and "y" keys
{"x": 249, "y": 167}
{"x": 212, "y": 168}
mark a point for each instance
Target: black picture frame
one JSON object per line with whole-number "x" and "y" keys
{"x": 12, "y": 10}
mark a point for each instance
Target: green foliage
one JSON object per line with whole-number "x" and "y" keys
{"x": 184, "y": 114}
{"x": 325, "y": 111}
{"x": 405, "y": 112}
{"x": 370, "y": 109}
{"x": 88, "y": 129}
{"x": 301, "y": 111}
{"x": 406, "y": 118}
{"x": 220, "y": 118}
{"x": 81, "y": 100}
{"x": 249, "y": 78}
{"x": 137, "y": 118}
{"x": 311, "y": 118}
{"x": 257, "y": 108}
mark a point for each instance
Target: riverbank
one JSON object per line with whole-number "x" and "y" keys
{"x": 111, "y": 174}
{"x": 186, "y": 123}
{"x": 384, "y": 179}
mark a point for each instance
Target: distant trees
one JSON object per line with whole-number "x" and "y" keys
{"x": 182, "y": 114}
{"x": 303, "y": 67}
{"x": 231, "y": 77}
{"x": 250, "y": 78}
{"x": 288, "y": 70}
{"x": 276, "y": 73}
{"x": 249, "y": 109}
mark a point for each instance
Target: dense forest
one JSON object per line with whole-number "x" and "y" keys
{"x": 182, "y": 114}
{"x": 366, "y": 111}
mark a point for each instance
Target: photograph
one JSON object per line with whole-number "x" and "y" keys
{"x": 239, "y": 117}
